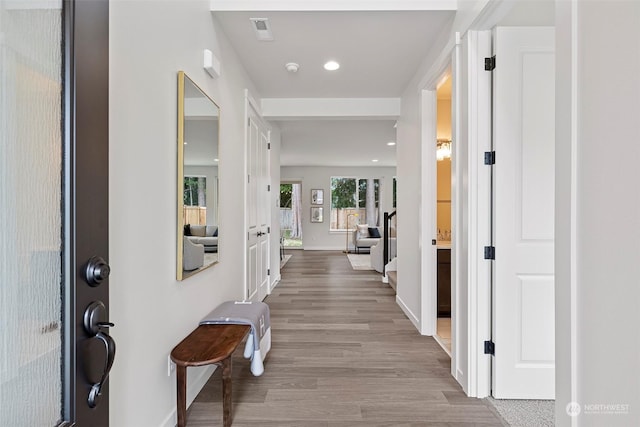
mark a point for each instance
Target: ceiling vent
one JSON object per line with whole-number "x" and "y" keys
{"x": 262, "y": 28}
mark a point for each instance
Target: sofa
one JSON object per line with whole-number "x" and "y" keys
{"x": 365, "y": 237}
{"x": 206, "y": 235}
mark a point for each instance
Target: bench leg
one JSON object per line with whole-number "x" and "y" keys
{"x": 181, "y": 380}
{"x": 226, "y": 392}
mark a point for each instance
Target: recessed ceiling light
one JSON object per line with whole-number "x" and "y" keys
{"x": 390, "y": 143}
{"x": 375, "y": 160}
{"x": 216, "y": 160}
{"x": 331, "y": 66}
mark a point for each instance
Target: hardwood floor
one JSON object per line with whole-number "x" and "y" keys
{"x": 343, "y": 354}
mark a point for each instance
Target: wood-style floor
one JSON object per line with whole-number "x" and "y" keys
{"x": 343, "y": 354}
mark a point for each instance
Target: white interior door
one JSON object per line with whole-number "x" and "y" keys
{"x": 523, "y": 274}
{"x": 258, "y": 215}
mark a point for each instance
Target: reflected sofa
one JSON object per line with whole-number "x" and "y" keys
{"x": 206, "y": 235}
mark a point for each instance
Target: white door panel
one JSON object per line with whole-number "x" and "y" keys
{"x": 258, "y": 213}
{"x": 524, "y": 140}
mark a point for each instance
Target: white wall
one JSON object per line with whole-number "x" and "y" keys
{"x": 149, "y": 43}
{"x": 409, "y": 197}
{"x": 316, "y": 236}
{"x": 598, "y": 266}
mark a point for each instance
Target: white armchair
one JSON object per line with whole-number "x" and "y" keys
{"x": 376, "y": 254}
{"x": 192, "y": 255}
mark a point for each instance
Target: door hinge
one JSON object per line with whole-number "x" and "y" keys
{"x": 268, "y": 272}
{"x": 489, "y": 252}
{"x": 489, "y": 348}
{"x": 248, "y": 179}
{"x": 269, "y": 146}
{"x": 268, "y": 188}
{"x": 490, "y": 63}
{"x": 268, "y": 229}
{"x": 489, "y": 157}
{"x": 248, "y": 238}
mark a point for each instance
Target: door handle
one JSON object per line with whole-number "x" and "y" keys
{"x": 260, "y": 233}
{"x": 94, "y": 324}
{"x": 110, "y": 348}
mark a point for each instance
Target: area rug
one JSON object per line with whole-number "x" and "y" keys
{"x": 284, "y": 260}
{"x": 523, "y": 413}
{"x": 360, "y": 262}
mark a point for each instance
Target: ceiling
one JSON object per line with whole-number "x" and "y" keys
{"x": 378, "y": 51}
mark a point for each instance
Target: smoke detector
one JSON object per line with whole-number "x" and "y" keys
{"x": 292, "y": 67}
{"x": 262, "y": 28}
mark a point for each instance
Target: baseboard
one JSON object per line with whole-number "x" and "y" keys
{"x": 323, "y": 248}
{"x": 275, "y": 283}
{"x": 194, "y": 386}
{"x": 412, "y": 317}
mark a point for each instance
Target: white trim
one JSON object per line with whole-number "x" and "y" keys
{"x": 412, "y": 317}
{"x": 275, "y": 282}
{"x": 456, "y": 217}
{"x": 195, "y": 386}
{"x": 331, "y": 5}
{"x": 245, "y": 279}
{"x": 573, "y": 260}
{"x": 428, "y": 270}
{"x": 288, "y": 108}
{"x": 322, "y": 248}
{"x": 479, "y": 270}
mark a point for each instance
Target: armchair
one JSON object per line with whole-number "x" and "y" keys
{"x": 192, "y": 255}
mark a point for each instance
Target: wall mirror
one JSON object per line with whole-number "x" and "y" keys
{"x": 198, "y": 135}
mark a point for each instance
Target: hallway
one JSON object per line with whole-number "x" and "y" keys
{"x": 343, "y": 354}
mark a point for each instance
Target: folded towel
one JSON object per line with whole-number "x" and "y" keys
{"x": 255, "y": 314}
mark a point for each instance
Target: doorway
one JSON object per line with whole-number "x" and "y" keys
{"x": 443, "y": 212}
{"x": 291, "y": 215}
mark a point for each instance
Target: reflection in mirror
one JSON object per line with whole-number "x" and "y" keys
{"x": 198, "y": 132}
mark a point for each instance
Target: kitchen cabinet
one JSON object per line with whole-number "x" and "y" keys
{"x": 444, "y": 282}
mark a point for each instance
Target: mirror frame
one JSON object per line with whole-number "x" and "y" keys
{"x": 180, "y": 273}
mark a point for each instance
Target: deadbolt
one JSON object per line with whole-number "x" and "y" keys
{"x": 97, "y": 271}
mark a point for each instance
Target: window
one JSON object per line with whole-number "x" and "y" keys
{"x": 195, "y": 200}
{"x": 354, "y": 201}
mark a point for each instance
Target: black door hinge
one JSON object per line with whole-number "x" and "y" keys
{"x": 268, "y": 272}
{"x": 489, "y": 157}
{"x": 489, "y": 252}
{"x": 490, "y": 63}
{"x": 268, "y": 188}
{"x": 268, "y": 229}
{"x": 489, "y": 348}
{"x": 269, "y": 146}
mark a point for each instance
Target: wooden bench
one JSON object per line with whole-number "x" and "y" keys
{"x": 207, "y": 345}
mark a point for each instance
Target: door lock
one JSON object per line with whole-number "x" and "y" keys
{"x": 97, "y": 271}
